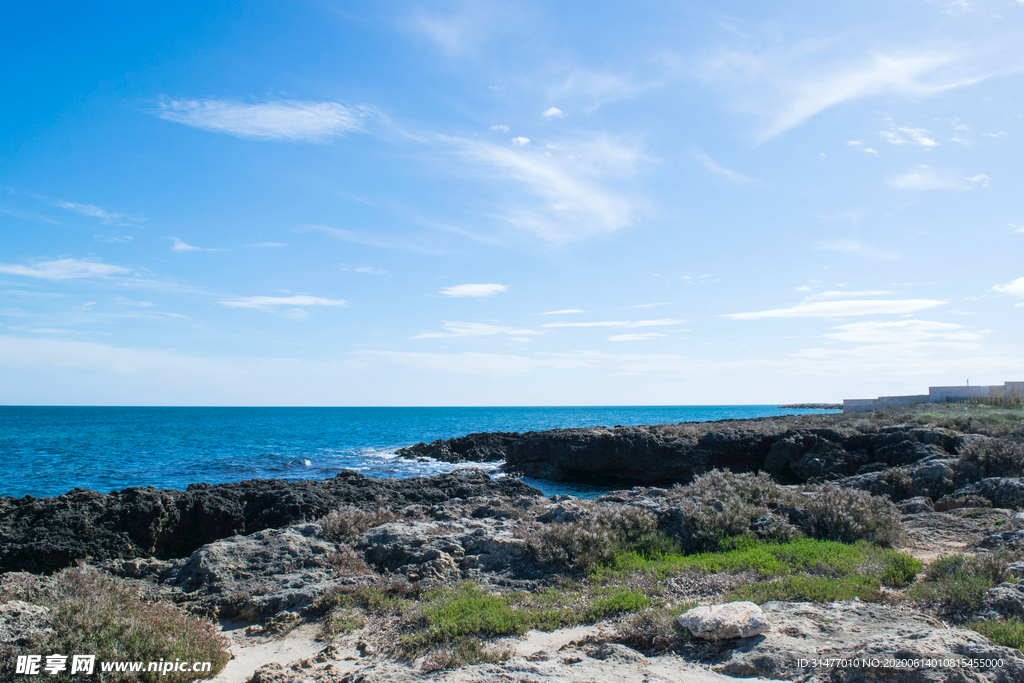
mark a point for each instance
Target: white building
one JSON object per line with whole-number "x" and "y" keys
{"x": 935, "y": 395}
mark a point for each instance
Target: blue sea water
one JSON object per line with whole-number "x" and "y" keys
{"x": 46, "y": 451}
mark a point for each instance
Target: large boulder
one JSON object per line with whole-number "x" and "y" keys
{"x": 731, "y": 620}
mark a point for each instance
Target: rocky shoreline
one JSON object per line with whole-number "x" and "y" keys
{"x": 463, "y": 577}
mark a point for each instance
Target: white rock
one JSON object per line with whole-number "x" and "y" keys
{"x": 731, "y": 620}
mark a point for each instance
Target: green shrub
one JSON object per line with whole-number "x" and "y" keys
{"x": 95, "y": 613}
{"x": 812, "y": 589}
{"x": 616, "y": 601}
{"x": 848, "y": 515}
{"x": 1009, "y": 633}
{"x": 900, "y": 570}
{"x": 609, "y": 530}
{"x": 961, "y": 581}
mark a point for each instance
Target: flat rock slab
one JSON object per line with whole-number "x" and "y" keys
{"x": 804, "y": 634}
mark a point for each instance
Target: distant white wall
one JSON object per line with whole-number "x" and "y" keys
{"x": 934, "y": 395}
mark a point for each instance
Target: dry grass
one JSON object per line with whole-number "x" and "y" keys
{"x": 347, "y": 523}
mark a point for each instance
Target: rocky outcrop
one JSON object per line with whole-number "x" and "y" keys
{"x": 45, "y": 534}
{"x": 23, "y": 624}
{"x": 731, "y": 620}
{"x": 870, "y": 634}
{"x": 665, "y": 454}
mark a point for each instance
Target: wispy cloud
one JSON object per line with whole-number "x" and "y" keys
{"x": 841, "y": 309}
{"x": 500, "y": 128}
{"x": 715, "y": 167}
{"x": 564, "y": 311}
{"x": 105, "y": 216}
{"x": 567, "y": 183}
{"x": 287, "y": 120}
{"x": 635, "y": 337}
{"x": 64, "y": 269}
{"x": 903, "y": 332}
{"x": 473, "y": 290}
{"x": 378, "y": 241}
{"x": 924, "y": 178}
{"x": 180, "y": 246}
{"x": 855, "y": 247}
{"x": 789, "y": 86}
{"x": 835, "y": 294}
{"x": 459, "y": 329}
{"x": 619, "y": 323}
{"x": 594, "y": 88}
{"x": 275, "y": 301}
{"x": 365, "y": 270}
{"x": 268, "y": 245}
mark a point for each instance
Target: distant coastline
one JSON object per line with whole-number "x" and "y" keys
{"x": 812, "y": 406}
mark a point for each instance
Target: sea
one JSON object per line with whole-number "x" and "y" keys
{"x": 47, "y": 451}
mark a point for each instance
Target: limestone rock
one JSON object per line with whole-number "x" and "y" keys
{"x": 913, "y": 506}
{"x": 731, "y": 620}
{"x": 22, "y": 624}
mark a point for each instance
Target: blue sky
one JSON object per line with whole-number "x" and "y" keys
{"x": 327, "y": 203}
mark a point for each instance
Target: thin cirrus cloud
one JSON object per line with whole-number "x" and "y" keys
{"x": 903, "y": 136}
{"x": 564, "y": 311}
{"x": 835, "y": 294}
{"x": 903, "y": 332}
{"x": 268, "y": 245}
{"x": 787, "y": 87}
{"x": 180, "y": 246}
{"x": 64, "y": 269}
{"x": 379, "y": 242}
{"x": 269, "y": 302}
{"x": 924, "y": 178}
{"x": 473, "y": 290}
{"x": 106, "y": 217}
{"x": 859, "y": 248}
{"x": 567, "y": 190}
{"x": 459, "y": 329}
{"x": 285, "y": 120}
{"x": 643, "y": 336}
{"x": 841, "y": 309}
{"x": 715, "y": 167}
{"x": 619, "y": 323}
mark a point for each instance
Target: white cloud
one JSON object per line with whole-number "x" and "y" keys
{"x": 1015, "y": 288}
{"x": 457, "y": 329}
{"x": 923, "y": 179}
{"x": 274, "y": 301}
{"x": 268, "y": 245}
{"x": 597, "y": 88}
{"x": 619, "y": 323}
{"x": 553, "y": 113}
{"x": 789, "y": 86}
{"x": 94, "y": 211}
{"x": 916, "y": 136}
{"x": 366, "y": 270}
{"x": 825, "y": 296}
{"x": 872, "y": 152}
{"x": 503, "y": 129}
{"x": 567, "y": 195}
{"x": 473, "y": 290}
{"x": 288, "y": 120}
{"x": 635, "y": 337}
{"x": 854, "y": 247}
{"x": 980, "y": 178}
{"x": 564, "y": 311}
{"x": 902, "y": 332}
{"x": 64, "y": 269}
{"x": 1017, "y": 228}
{"x": 655, "y": 305}
{"x": 715, "y": 167}
{"x": 520, "y": 141}
{"x": 180, "y": 246}
{"x": 379, "y": 241}
{"x": 840, "y": 309}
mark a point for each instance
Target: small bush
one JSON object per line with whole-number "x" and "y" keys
{"x": 94, "y": 613}
{"x": 961, "y": 581}
{"x": 1009, "y": 633}
{"x": 616, "y": 601}
{"x": 997, "y": 457}
{"x": 347, "y": 562}
{"x": 610, "y": 530}
{"x": 655, "y": 630}
{"x": 848, "y": 515}
{"x": 463, "y": 652}
{"x": 720, "y": 504}
{"x": 900, "y": 570}
{"x": 347, "y": 523}
{"x": 340, "y": 624}
{"x": 812, "y": 588}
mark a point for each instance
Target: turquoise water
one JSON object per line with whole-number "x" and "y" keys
{"x": 46, "y": 451}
